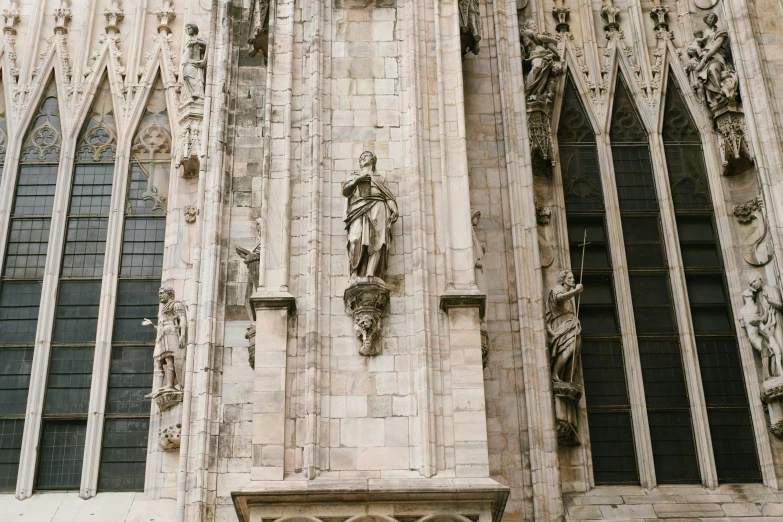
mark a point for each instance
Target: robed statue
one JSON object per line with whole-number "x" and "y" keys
{"x": 371, "y": 210}
{"x": 714, "y": 74}
{"x": 542, "y": 62}
{"x": 170, "y": 342}
{"x": 193, "y": 65}
{"x": 563, "y": 327}
{"x": 763, "y": 322}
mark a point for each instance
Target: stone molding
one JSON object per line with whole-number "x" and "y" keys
{"x": 425, "y": 492}
{"x": 464, "y": 299}
{"x": 272, "y": 301}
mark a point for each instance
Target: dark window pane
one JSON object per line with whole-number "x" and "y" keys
{"x": 68, "y": 386}
{"x": 687, "y": 177}
{"x": 61, "y": 454}
{"x": 633, "y": 173}
{"x": 611, "y": 442}
{"x": 91, "y": 189}
{"x": 721, "y": 372}
{"x": 709, "y": 304}
{"x": 652, "y": 308}
{"x": 124, "y": 455}
{"x": 733, "y": 445}
{"x": 597, "y": 249}
{"x": 697, "y": 242}
{"x": 664, "y": 381}
{"x": 597, "y": 310}
{"x": 574, "y": 125}
{"x": 142, "y": 247}
{"x": 136, "y": 300}
{"x": 677, "y": 123}
{"x": 35, "y": 190}
{"x": 85, "y": 247}
{"x": 130, "y": 379}
{"x": 76, "y": 317}
{"x": 643, "y": 245}
{"x": 140, "y": 194}
{"x": 19, "y": 303}
{"x": 626, "y": 126}
{"x": 674, "y": 452}
{"x": 604, "y": 375}
{"x": 581, "y": 178}
{"x": 10, "y": 449}
{"x": 28, "y": 240}
{"x": 15, "y": 367}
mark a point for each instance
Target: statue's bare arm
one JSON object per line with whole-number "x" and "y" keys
{"x": 711, "y": 52}
{"x": 564, "y": 296}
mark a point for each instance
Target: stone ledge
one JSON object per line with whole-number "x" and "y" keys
{"x": 371, "y": 491}
{"x": 272, "y": 301}
{"x": 464, "y": 299}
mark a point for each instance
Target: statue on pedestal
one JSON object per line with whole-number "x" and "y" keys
{"x": 370, "y": 212}
{"x": 542, "y": 63}
{"x": 170, "y": 347}
{"x": 763, "y": 322}
{"x": 715, "y": 71}
{"x": 193, "y": 65}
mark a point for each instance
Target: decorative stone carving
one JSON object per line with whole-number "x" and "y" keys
{"x": 62, "y": 15}
{"x": 469, "y": 26}
{"x": 169, "y": 437}
{"x": 10, "y": 19}
{"x": 165, "y": 15}
{"x": 193, "y": 65}
{"x": 561, "y": 13}
{"x": 370, "y": 212}
{"x": 772, "y": 396}
{"x": 250, "y": 335}
{"x": 114, "y": 15}
{"x": 170, "y": 348}
{"x": 763, "y": 322}
{"x": 542, "y": 65}
{"x": 659, "y": 13}
{"x": 609, "y": 12}
{"x": 754, "y": 232}
{"x": 258, "y": 39}
{"x": 478, "y": 247}
{"x": 190, "y": 212}
{"x": 190, "y": 140}
{"x": 732, "y": 143}
{"x": 366, "y": 299}
{"x": 564, "y": 330}
{"x": 545, "y": 251}
{"x": 543, "y": 215}
{"x": 251, "y": 259}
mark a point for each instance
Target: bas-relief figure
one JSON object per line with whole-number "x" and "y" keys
{"x": 762, "y": 320}
{"x": 564, "y": 331}
{"x": 170, "y": 344}
{"x": 193, "y": 65}
{"x": 371, "y": 210}
{"x": 469, "y": 26}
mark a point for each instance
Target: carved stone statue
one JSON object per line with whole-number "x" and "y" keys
{"x": 469, "y": 26}
{"x": 251, "y": 259}
{"x": 715, "y": 71}
{"x": 170, "y": 343}
{"x": 478, "y": 247}
{"x": 694, "y": 52}
{"x": 563, "y": 326}
{"x": 763, "y": 322}
{"x": 542, "y": 60}
{"x": 258, "y": 38}
{"x": 193, "y": 65}
{"x": 370, "y": 213}
{"x": 169, "y": 437}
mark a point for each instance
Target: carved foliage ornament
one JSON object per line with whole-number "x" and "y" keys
{"x": 754, "y": 229}
{"x": 469, "y": 26}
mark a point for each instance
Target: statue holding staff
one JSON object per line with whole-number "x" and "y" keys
{"x": 170, "y": 342}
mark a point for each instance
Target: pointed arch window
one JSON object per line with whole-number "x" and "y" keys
{"x": 23, "y": 273}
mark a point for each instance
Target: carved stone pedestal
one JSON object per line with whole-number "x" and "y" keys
{"x": 540, "y": 129}
{"x": 732, "y": 141}
{"x": 567, "y": 395}
{"x": 772, "y": 396}
{"x": 190, "y": 121}
{"x": 165, "y": 399}
{"x": 366, "y": 298}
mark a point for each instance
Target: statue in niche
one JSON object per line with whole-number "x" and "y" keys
{"x": 563, "y": 327}
{"x": 542, "y": 61}
{"x": 370, "y": 213}
{"x": 469, "y": 26}
{"x": 714, "y": 71}
{"x": 763, "y": 322}
{"x": 694, "y": 53}
{"x": 170, "y": 343}
{"x": 478, "y": 247}
{"x": 193, "y": 65}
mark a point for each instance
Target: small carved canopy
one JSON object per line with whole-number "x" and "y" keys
{"x": 98, "y": 138}
{"x": 44, "y": 137}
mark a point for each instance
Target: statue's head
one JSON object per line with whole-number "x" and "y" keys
{"x": 566, "y": 277}
{"x": 531, "y": 24}
{"x": 367, "y": 158}
{"x": 698, "y": 34}
{"x": 755, "y": 282}
{"x": 711, "y": 19}
{"x": 165, "y": 294}
{"x": 191, "y": 29}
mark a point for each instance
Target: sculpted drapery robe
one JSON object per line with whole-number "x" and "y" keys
{"x": 170, "y": 320}
{"x": 563, "y": 326}
{"x": 368, "y": 222}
